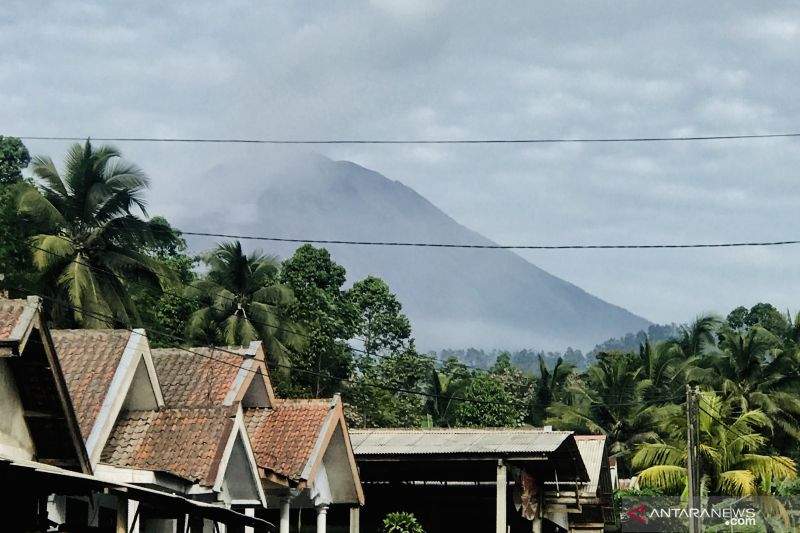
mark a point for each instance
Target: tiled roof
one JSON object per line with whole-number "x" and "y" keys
{"x": 10, "y": 313}
{"x": 89, "y": 359}
{"x": 284, "y": 437}
{"x": 186, "y": 442}
{"x": 201, "y": 377}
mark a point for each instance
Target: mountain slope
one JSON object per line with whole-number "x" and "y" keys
{"x": 454, "y": 297}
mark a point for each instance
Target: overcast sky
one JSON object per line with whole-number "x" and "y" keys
{"x": 393, "y": 69}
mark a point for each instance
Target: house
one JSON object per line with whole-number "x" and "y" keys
{"x": 595, "y": 497}
{"x": 48, "y": 475}
{"x": 464, "y": 479}
{"x": 302, "y": 447}
{"x": 133, "y": 436}
{"x": 38, "y": 427}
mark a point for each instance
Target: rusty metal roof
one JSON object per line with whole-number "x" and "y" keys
{"x": 455, "y": 441}
{"x": 593, "y": 452}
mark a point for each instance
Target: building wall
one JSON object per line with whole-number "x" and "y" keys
{"x": 15, "y": 440}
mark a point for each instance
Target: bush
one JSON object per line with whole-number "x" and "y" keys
{"x": 401, "y": 523}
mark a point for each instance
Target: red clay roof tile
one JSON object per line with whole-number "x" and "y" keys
{"x": 201, "y": 377}
{"x": 186, "y": 442}
{"x": 10, "y": 313}
{"x": 89, "y": 359}
{"x": 283, "y": 437}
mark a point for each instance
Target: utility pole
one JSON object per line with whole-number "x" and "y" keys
{"x": 693, "y": 465}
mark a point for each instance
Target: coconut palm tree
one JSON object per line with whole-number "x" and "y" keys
{"x": 757, "y": 372}
{"x": 451, "y": 380}
{"x": 548, "y": 386}
{"x": 732, "y": 445}
{"x": 608, "y": 399}
{"x": 90, "y": 240}
{"x": 242, "y": 302}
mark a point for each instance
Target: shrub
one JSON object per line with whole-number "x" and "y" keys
{"x": 401, "y": 522}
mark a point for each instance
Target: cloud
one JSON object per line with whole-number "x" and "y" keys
{"x": 404, "y": 69}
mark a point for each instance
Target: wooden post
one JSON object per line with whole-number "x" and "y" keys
{"x": 502, "y": 482}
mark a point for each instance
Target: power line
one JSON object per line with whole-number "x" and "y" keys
{"x": 274, "y": 364}
{"x": 251, "y": 320}
{"x": 496, "y": 246}
{"x": 201, "y": 140}
{"x": 288, "y": 367}
{"x": 730, "y": 428}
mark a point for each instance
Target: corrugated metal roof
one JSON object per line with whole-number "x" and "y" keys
{"x": 592, "y": 449}
{"x": 454, "y": 441}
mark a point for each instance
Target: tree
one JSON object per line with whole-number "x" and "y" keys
{"x": 329, "y": 318}
{"x": 607, "y": 399}
{"x": 90, "y": 240}
{"x": 732, "y": 443}
{"x": 14, "y": 157}
{"x": 242, "y": 301}
{"x": 756, "y": 373}
{"x": 390, "y": 392}
{"x": 445, "y": 384}
{"x": 380, "y": 322}
{"x": 16, "y": 270}
{"x": 548, "y": 387}
{"x": 488, "y": 404}
{"x": 165, "y": 313}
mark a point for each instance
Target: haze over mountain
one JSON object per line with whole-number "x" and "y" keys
{"x": 454, "y": 297}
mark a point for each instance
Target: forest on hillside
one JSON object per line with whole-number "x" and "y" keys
{"x": 78, "y": 235}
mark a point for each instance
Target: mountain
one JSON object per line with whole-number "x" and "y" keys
{"x": 454, "y": 297}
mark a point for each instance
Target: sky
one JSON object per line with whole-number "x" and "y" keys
{"x": 434, "y": 69}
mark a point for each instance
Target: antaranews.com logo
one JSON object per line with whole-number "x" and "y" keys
{"x": 659, "y": 514}
{"x": 728, "y": 515}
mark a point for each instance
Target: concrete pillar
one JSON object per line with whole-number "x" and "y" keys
{"x": 249, "y": 511}
{"x": 502, "y": 483}
{"x": 355, "y": 518}
{"x": 133, "y": 516}
{"x": 284, "y": 524}
{"x": 322, "y": 518}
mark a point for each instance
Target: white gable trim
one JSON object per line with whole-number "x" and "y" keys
{"x": 240, "y": 381}
{"x": 239, "y": 432}
{"x": 136, "y": 349}
{"x": 322, "y": 442}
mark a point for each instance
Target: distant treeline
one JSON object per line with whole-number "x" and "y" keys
{"x": 527, "y": 359}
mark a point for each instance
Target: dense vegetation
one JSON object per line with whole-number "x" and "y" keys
{"x": 82, "y": 239}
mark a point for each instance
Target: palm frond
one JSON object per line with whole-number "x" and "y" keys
{"x": 668, "y": 478}
{"x": 737, "y": 483}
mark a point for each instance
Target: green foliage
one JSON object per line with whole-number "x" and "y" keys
{"x": 788, "y": 487}
{"x": 387, "y": 394}
{"x": 489, "y": 404}
{"x": 732, "y": 449}
{"x": 330, "y": 320}
{"x": 549, "y": 387}
{"x": 89, "y": 240}
{"x": 445, "y": 384}
{"x": 165, "y": 313}
{"x": 14, "y": 157}
{"x": 400, "y": 522}
{"x": 380, "y": 323}
{"x": 16, "y": 269}
{"x": 240, "y": 301}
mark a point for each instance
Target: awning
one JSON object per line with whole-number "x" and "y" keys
{"x": 49, "y": 479}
